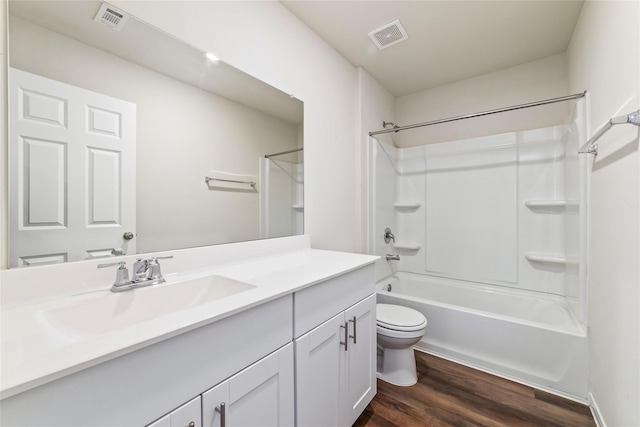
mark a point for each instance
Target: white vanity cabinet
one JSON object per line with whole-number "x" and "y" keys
{"x": 260, "y": 395}
{"x": 188, "y": 415}
{"x": 299, "y": 350}
{"x": 335, "y": 360}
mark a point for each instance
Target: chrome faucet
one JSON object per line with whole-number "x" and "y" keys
{"x": 388, "y": 235}
{"x": 141, "y": 270}
{"x": 146, "y": 272}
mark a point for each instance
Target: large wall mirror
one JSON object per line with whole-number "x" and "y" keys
{"x": 125, "y": 140}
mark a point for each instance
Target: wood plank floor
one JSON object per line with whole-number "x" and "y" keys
{"x": 449, "y": 394}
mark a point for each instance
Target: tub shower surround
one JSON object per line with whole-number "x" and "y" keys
{"x": 499, "y": 224}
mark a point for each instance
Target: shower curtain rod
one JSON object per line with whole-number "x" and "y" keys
{"x": 266, "y": 156}
{"x": 484, "y": 113}
{"x": 592, "y": 148}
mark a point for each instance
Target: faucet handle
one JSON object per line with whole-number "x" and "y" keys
{"x": 388, "y": 235}
{"x": 154, "y": 268}
{"x": 121, "y": 265}
{"x": 122, "y": 274}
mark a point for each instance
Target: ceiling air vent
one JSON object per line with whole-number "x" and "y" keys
{"x": 388, "y": 35}
{"x": 111, "y": 17}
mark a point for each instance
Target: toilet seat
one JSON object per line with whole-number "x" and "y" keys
{"x": 398, "y": 318}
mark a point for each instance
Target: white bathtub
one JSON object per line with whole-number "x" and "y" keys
{"x": 529, "y": 338}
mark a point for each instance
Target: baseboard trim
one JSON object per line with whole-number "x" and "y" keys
{"x": 595, "y": 411}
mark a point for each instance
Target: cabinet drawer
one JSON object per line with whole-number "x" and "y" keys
{"x": 316, "y": 304}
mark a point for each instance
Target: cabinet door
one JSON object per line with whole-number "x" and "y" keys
{"x": 188, "y": 415}
{"x": 215, "y": 406}
{"x": 260, "y": 395}
{"x": 318, "y": 374}
{"x": 360, "y": 371}
{"x": 162, "y": 422}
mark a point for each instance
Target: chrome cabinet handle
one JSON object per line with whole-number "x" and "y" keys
{"x": 346, "y": 336}
{"x": 191, "y": 424}
{"x": 354, "y": 329}
{"x": 222, "y": 410}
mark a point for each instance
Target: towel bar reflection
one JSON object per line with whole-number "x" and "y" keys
{"x": 592, "y": 148}
{"x": 207, "y": 179}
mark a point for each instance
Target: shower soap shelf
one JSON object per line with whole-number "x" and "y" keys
{"x": 407, "y": 206}
{"x": 553, "y": 204}
{"x": 409, "y": 247}
{"x": 548, "y": 259}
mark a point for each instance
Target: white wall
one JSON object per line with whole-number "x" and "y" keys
{"x": 604, "y": 58}
{"x": 267, "y": 41}
{"x": 206, "y": 133}
{"x": 533, "y": 81}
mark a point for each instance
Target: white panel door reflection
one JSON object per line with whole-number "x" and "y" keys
{"x": 72, "y": 178}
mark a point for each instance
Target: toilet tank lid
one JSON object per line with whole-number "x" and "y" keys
{"x": 397, "y": 315}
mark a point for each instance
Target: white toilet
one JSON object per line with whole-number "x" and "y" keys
{"x": 398, "y": 328}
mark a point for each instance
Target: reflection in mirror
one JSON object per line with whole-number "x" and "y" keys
{"x": 282, "y": 177}
{"x": 125, "y": 140}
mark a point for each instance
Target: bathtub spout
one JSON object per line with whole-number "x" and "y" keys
{"x": 393, "y": 257}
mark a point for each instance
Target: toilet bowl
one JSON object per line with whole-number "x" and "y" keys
{"x": 398, "y": 329}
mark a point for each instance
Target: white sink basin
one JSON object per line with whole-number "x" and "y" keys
{"x": 113, "y": 311}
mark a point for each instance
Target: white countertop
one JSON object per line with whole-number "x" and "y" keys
{"x": 35, "y": 350}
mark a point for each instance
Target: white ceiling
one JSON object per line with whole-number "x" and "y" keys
{"x": 448, "y": 40}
